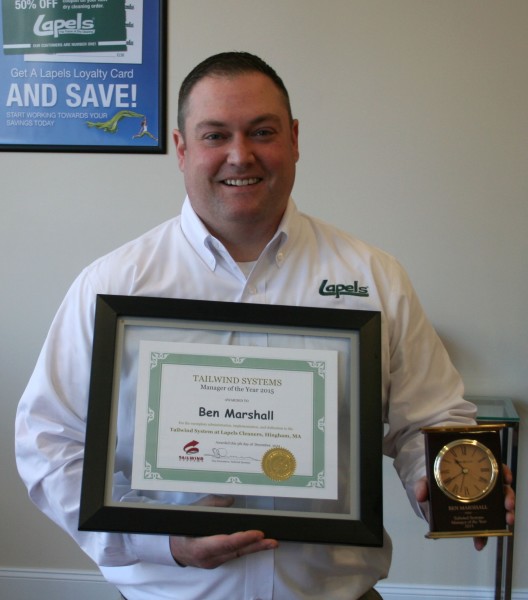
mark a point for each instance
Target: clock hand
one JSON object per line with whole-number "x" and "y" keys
{"x": 449, "y": 480}
{"x": 465, "y": 470}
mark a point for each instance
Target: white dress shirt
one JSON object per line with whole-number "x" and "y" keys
{"x": 307, "y": 263}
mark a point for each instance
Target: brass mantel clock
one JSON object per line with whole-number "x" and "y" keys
{"x": 464, "y": 469}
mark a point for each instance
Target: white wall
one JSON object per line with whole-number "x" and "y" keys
{"x": 414, "y": 136}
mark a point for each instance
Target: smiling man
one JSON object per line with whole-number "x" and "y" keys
{"x": 237, "y": 148}
{"x": 239, "y": 238}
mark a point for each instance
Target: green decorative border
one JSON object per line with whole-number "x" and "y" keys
{"x": 318, "y": 371}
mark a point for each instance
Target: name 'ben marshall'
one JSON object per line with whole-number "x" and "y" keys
{"x": 231, "y": 413}
{"x": 469, "y": 506}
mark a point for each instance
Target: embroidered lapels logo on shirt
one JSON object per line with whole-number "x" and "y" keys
{"x": 342, "y": 289}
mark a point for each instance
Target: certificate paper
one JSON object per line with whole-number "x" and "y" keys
{"x": 242, "y": 420}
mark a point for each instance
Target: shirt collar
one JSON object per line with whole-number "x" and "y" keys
{"x": 210, "y": 249}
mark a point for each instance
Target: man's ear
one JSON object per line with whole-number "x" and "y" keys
{"x": 179, "y": 142}
{"x": 295, "y": 138}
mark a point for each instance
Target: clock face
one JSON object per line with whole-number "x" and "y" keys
{"x": 465, "y": 470}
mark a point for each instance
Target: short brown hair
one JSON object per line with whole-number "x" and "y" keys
{"x": 227, "y": 64}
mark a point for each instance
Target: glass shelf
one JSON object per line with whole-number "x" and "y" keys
{"x": 494, "y": 409}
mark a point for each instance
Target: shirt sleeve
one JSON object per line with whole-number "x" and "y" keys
{"x": 50, "y": 432}
{"x": 424, "y": 388}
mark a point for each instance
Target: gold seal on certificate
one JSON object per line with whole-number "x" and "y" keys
{"x": 278, "y": 464}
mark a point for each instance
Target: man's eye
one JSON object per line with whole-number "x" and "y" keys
{"x": 213, "y": 136}
{"x": 263, "y": 132}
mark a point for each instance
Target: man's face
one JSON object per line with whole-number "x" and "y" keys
{"x": 238, "y": 152}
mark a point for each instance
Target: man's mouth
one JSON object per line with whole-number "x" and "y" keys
{"x": 242, "y": 182}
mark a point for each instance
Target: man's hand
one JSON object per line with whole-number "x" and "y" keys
{"x": 421, "y": 491}
{"x": 212, "y": 551}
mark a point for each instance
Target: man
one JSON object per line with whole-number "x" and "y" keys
{"x": 239, "y": 238}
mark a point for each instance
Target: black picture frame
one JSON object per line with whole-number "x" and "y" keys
{"x": 124, "y": 111}
{"x": 360, "y": 330}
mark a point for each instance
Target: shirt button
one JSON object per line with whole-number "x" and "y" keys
{"x": 252, "y": 290}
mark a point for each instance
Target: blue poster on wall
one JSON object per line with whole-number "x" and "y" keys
{"x": 83, "y": 75}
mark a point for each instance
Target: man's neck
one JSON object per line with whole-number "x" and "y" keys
{"x": 247, "y": 247}
{"x": 245, "y": 243}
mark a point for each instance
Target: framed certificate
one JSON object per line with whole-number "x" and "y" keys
{"x": 215, "y": 417}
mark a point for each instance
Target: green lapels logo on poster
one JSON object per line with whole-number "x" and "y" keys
{"x": 55, "y": 26}
{"x": 342, "y": 289}
{"x": 77, "y": 26}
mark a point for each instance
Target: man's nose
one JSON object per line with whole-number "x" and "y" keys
{"x": 240, "y": 151}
